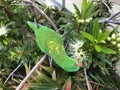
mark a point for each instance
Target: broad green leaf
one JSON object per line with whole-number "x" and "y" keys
{"x": 5, "y": 42}
{"x": 96, "y": 28}
{"x": 88, "y": 36}
{"x": 97, "y": 48}
{"x": 103, "y": 36}
{"x": 107, "y": 50}
{"x": 100, "y": 35}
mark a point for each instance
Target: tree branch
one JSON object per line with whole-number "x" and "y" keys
{"x": 41, "y": 12}
{"x": 111, "y": 19}
{"x": 30, "y": 73}
{"x": 97, "y": 83}
{"x": 86, "y": 77}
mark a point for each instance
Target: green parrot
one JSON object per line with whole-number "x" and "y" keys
{"x": 51, "y": 44}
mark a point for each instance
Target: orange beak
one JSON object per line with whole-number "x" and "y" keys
{"x": 80, "y": 63}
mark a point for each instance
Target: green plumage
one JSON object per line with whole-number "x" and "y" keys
{"x": 51, "y": 44}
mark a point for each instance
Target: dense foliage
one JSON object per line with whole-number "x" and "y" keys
{"x": 84, "y": 37}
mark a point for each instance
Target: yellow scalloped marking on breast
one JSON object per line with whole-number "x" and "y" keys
{"x": 54, "y": 46}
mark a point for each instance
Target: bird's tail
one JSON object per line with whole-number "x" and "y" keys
{"x": 32, "y": 25}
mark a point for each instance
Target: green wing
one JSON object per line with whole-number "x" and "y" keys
{"x": 51, "y": 43}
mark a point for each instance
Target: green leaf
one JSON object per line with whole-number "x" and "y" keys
{"x": 77, "y": 10}
{"x": 100, "y": 35}
{"x": 97, "y": 48}
{"x": 89, "y": 9}
{"x": 95, "y": 13}
{"x": 84, "y": 7}
{"x": 88, "y": 36}
{"x": 94, "y": 77}
{"x": 96, "y": 28}
{"x": 5, "y": 42}
{"x": 90, "y": 5}
{"x": 103, "y": 36}
{"x": 107, "y": 50}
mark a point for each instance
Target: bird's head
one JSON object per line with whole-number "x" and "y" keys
{"x": 73, "y": 65}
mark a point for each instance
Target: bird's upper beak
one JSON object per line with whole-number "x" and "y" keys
{"x": 80, "y": 63}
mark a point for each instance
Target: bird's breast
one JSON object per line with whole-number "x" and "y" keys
{"x": 54, "y": 46}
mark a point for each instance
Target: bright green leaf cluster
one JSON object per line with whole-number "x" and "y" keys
{"x": 85, "y": 14}
{"x": 97, "y": 37}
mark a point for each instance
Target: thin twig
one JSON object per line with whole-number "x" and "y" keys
{"x": 13, "y": 72}
{"x": 96, "y": 83}
{"x": 115, "y": 22}
{"x": 109, "y": 19}
{"x": 41, "y": 12}
{"x": 110, "y": 11}
{"x": 64, "y": 34}
{"x": 86, "y": 77}
{"x": 113, "y": 16}
{"x": 30, "y": 73}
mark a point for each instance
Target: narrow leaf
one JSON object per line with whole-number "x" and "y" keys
{"x": 5, "y": 42}
{"x": 97, "y": 48}
{"x": 95, "y": 28}
{"x": 104, "y": 36}
{"x": 77, "y": 10}
{"x": 88, "y": 36}
{"x": 107, "y": 50}
{"x": 90, "y": 8}
{"x": 94, "y": 77}
{"x": 84, "y": 7}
